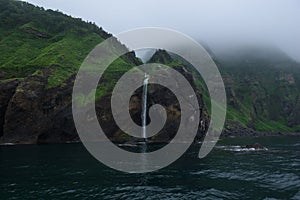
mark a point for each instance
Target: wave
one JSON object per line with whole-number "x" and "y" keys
{"x": 7, "y": 144}
{"x": 240, "y": 148}
{"x": 127, "y": 145}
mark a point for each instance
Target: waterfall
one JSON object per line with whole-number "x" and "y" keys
{"x": 144, "y": 106}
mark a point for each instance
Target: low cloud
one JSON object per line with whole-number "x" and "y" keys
{"x": 217, "y": 22}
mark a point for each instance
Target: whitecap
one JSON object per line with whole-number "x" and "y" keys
{"x": 127, "y": 145}
{"x": 7, "y": 144}
{"x": 240, "y": 148}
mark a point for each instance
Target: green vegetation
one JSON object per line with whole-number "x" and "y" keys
{"x": 262, "y": 86}
{"x": 33, "y": 39}
{"x": 262, "y": 89}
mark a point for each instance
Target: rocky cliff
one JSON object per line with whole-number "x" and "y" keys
{"x": 262, "y": 85}
{"x": 41, "y": 51}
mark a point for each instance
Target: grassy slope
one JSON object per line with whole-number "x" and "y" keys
{"x": 32, "y": 39}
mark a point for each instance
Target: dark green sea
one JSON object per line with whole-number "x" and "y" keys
{"x": 68, "y": 171}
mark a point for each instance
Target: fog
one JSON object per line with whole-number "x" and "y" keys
{"x": 219, "y": 23}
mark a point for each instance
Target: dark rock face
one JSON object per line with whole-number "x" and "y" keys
{"x": 34, "y": 114}
{"x": 157, "y": 94}
{"x": 62, "y": 129}
{"x": 23, "y": 116}
{"x": 7, "y": 91}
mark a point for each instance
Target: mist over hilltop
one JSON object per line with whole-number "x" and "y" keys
{"x": 221, "y": 24}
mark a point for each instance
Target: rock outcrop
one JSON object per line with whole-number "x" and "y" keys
{"x": 33, "y": 111}
{"x": 7, "y": 89}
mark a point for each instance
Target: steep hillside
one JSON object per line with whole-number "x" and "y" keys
{"x": 262, "y": 86}
{"x": 163, "y": 57}
{"x": 32, "y": 38}
{"x": 40, "y": 53}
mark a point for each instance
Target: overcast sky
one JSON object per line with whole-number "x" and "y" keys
{"x": 216, "y": 22}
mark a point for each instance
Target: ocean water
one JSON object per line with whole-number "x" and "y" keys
{"x": 68, "y": 171}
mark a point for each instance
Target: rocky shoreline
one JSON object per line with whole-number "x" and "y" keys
{"x": 225, "y": 134}
{"x": 258, "y": 134}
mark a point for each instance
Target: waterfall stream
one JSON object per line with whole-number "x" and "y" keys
{"x": 144, "y": 106}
